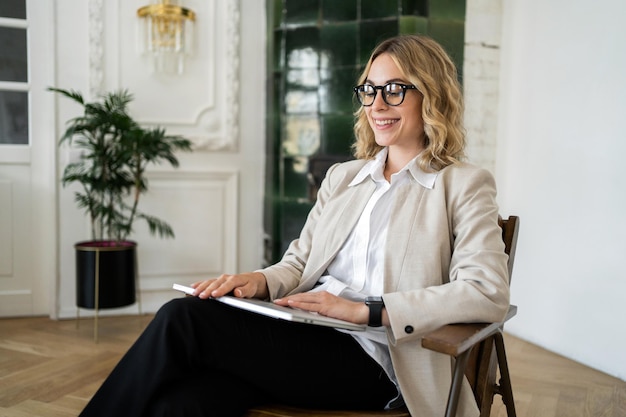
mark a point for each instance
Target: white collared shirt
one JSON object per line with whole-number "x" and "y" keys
{"x": 358, "y": 269}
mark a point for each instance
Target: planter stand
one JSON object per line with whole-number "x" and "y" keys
{"x": 90, "y": 267}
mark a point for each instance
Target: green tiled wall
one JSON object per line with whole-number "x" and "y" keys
{"x": 316, "y": 50}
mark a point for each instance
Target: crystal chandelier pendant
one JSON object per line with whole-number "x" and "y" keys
{"x": 165, "y": 33}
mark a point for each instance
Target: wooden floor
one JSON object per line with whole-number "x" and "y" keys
{"x": 51, "y": 368}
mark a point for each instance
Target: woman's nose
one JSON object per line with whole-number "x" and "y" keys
{"x": 379, "y": 102}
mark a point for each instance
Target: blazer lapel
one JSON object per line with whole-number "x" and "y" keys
{"x": 347, "y": 215}
{"x": 401, "y": 224}
{"x": 343, "y": 213}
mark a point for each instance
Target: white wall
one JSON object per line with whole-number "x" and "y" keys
{"x": 481, "y": 79}
{"x": 561, "y": 168}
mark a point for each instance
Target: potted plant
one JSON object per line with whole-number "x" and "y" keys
{"x": 116, "y": 151}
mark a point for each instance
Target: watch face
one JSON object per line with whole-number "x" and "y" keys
{"x": 374, "y": 300}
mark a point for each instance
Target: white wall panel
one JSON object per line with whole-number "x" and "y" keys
{"x": 6, "y": 228}
{"x": 202, "y": 209}
{"x": 16, "y": 264}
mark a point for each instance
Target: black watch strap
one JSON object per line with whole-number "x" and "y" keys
{"x": 375, "y": 305}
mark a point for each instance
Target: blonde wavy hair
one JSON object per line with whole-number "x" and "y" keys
{"x": 426, "y": 65}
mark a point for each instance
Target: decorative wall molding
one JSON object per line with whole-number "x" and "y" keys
{"x": 96, "y": 47}
{"x": 202, "y": 208}
{"x": 232, "y": 57}
{"x": 209, "y": 112}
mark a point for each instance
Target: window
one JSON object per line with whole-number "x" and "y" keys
{"x": 13, "y": 73}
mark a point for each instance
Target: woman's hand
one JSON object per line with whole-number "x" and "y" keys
{"x": 247, "y": 285}
{"x": 329, "y": 305}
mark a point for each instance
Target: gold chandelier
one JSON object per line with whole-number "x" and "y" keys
{"x": 166, "y": 34}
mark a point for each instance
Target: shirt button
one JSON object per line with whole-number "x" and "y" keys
{"x": 408, "y": 329}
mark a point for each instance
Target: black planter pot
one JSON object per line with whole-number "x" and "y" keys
{"x": 105, "y": 274}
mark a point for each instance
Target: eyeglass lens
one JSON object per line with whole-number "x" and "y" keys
{"x": 393, "y": 93}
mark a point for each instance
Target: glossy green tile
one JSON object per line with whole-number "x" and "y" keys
{"x": 414, "y": 8}
{"x": 338, "y": 43}
{"x": 337, "y": 134}
{"x": 374, "y": 32}
{"x": 275, "y": 13}
{"x": 275, "y": 129}
{"x": 339, "y": 10}
{"x": 336, "y": 90}
{"x": 301, "y": 135}
{"x": 293, "y": 216}
{"x": 301, "y": 12}
{"x": 275, "y": 182}
{"x": 319, "y": 48}
{"x": 277, "y": 52}
{"x": 274, "y": 94}
{"x": 451, "y": 35}
{"x": 447, "y": 9}
{"x": 302, "y": 47}
{"x": 413, "y": 24}
{"x": 303, "y": 78}
{"x": 299, "y": 101}
{"x": 377, "y": 9}
{"x": 295, "y": 183}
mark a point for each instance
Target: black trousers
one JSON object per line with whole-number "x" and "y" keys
{"x": 204, "y": 358}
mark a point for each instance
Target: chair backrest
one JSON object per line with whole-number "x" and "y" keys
{"x": 510, "y": 229}
{"x": 482, "y": 364}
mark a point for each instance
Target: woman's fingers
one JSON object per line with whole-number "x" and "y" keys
{"x": 325, "y": 304}
{"x": 246, "y": 285}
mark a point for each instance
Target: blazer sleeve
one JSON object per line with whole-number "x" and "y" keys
{"x": 474, "y": 283}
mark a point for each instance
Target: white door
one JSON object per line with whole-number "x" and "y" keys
{"x": 27, "y": 159}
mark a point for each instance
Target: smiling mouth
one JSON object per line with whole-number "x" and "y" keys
{"x": 385, "y": 122}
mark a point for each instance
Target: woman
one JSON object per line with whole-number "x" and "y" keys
{"x": 405, "y": 239}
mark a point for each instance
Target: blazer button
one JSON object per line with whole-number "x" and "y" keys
{"x": 409, "y": 329}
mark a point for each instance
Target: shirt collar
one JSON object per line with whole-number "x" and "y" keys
{"x": 374, "y": 168}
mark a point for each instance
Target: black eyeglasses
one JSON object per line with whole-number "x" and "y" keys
{"x": 393, "y": 93}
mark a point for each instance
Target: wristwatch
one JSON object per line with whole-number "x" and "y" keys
{"x": 376, "y": 305}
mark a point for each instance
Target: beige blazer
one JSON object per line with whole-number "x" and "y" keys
{"x": 444, "y": 263}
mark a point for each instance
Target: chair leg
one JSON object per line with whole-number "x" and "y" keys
{"x": 505, "y": 377}
{"x": 457, "y": 382}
